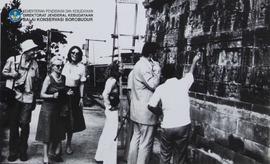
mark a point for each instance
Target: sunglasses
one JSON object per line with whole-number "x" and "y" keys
{"x": 59, "y": 66}
{"x": 74, "y": 52}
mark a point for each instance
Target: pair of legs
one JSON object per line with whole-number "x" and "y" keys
{"x": 51, "y": 149}
{"x": 20, "y": 117}
{"x": 174, "y": 142}
{"x": 71, "y": 119}
{"x": 141, "y": 144}
{"x": 107, "y": 146}
{"x": 68, "y": 132}
{"x": 128, "y": 138}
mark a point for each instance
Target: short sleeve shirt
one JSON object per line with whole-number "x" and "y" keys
{"x": 28, "y": 71}
{"x": 74, "y": 73}
{"x": 173, "y": 95}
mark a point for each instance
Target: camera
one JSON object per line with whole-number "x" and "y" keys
{"x": 20, "y": 88}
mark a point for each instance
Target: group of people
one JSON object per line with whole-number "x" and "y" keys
{"x": 61, "y": 113}
{"x": 150, "y": 100}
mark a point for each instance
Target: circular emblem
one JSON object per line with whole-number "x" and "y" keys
{"x": 15, "y": 15}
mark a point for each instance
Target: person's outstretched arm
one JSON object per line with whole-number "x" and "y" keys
{"x": 195, "y": 60}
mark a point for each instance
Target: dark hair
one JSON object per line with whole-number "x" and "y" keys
{"x": 179, "y": 72}
{"x": 79, "y": 54}
{"x": 113, "y": 70}
{"x": 169, "y": 71}
{"x": 149, "y": 48}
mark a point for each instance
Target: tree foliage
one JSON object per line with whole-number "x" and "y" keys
{"x": 12, "y": 34}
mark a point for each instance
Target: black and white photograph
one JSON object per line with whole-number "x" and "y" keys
{"x": 135, "y": 82}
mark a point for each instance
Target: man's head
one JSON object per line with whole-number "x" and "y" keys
{"x": 149, "y": 49}
{"x": 28, "y": 48}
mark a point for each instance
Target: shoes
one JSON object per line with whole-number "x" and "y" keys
{"x": 69, "y": 151}
{"x": 23, "y": 157}
{"x": 46, "y": 161}
{"x": 12, "y": 158}
{"x": 57, "y": 158}
{"x": 99, "y": 162}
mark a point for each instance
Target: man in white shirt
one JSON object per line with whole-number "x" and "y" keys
{"x": 175, "y": 126}
{"x": 145, "y": 78}
{"x": 21, "y": 72}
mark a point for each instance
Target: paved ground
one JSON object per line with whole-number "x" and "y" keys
{"x": 84, "y": 143}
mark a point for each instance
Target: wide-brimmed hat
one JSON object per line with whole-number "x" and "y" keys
{"x": 27, "y": 45}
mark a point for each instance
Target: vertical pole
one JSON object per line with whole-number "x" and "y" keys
{"x": 1, "y": 46}
{"x": 94, "y": 68}
{"x": 114, "y": 31}
{"x": 135, "y": 31}
{"x": 49, "y": 33}
{"x": 87, "y": 50}
{"x": 254, "y": 34}
{"x": 48, "y": 49}
{"x": 94, "y": 62}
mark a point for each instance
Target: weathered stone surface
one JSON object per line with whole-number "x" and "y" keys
{"x": 201, "y": 115}
{"x": 224, "y": 122}
{"x": 231, "y": 91}
{"x": 261, "y": 152}
{"x": 202, "y": 157}
{"x": 214, "y": 134}
{"x": 259, "y": 119}
{"x": 222, "y": 151}
{"x": 240, "y": 159}
{"x": 254, "y": 132}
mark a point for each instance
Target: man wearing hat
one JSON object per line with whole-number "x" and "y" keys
{"x": 21, "y": 72}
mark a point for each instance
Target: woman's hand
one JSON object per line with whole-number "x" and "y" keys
{"x": 70, "y": 92}
{"x": 55, "y": 95}
{"x": 81, "y": 102}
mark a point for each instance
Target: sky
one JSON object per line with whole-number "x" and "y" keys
{"x": 100, "y": 28}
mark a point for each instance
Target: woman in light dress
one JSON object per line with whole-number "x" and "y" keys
{"x": 107, "y": 146}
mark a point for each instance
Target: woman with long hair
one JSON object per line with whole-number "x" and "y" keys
{"x": 49, "y": 125}
{"x": 107, "y": 146}
{"x": 74, "y": 72}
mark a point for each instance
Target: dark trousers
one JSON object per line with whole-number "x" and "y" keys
{"x": 174, "y": 142}
{"x": 20, "y": 117}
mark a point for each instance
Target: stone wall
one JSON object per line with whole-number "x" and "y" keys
{"x": 231, "y": 132}
{"x": 231, "y": 93}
